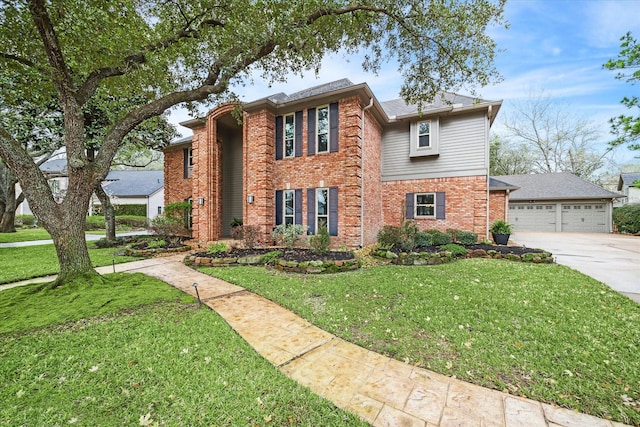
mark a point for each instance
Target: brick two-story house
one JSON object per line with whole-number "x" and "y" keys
{"x": 335, "y": 156}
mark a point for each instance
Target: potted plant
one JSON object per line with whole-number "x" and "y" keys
{"x": 500, "y": 231}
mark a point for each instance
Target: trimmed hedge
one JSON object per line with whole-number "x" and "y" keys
{"x": 627, "y": 218}
{"x": 96, "y": 222}
{"x": 24, "y": 220}
{"x": 124, "y": 210}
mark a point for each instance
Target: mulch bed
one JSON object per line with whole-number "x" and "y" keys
{"x": 516, "y": 250}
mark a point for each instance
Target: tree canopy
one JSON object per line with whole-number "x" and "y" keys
{"x": 168, "y": 52}
{"x": 627, "y": 127}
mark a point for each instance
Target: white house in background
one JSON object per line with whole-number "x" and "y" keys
{"x": 625, "y": 186}
{"x": 123, "y": 187}
{"x": 136, "y": 187}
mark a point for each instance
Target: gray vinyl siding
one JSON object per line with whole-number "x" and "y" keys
{"x": 232, "y": 200}
{"x": 463, "y": 150}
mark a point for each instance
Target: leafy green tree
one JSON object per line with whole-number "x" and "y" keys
{"x": 170, "y": 52}
{"x": 627, "y": 127}
{"x": 506, "y": 158}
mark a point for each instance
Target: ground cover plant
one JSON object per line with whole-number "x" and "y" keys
{"x": 145, "y": 355}
{"x": 542, "y": 331}
{"x": 35, "y": 261}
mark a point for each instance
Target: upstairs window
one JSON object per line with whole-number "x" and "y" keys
{"x": 289, "y": 135}
{"x": 424, "y": 131}
{"x": 424, "y": 138}
{"x": 322, "y": 130}
{"x": 188, "y": 162}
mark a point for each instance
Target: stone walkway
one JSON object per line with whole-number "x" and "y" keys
{"x": 382, "y": 391}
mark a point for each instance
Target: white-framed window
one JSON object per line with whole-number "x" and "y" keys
{"x": 322, "y": 208}
{"x": 425, "y": 205}
{"x": 424, "y": 138}
{"x": 322, "y": 129}
{"x": 424, "y": 134}
{"x": 289, "y": 203}
{"x": 189, "y": 214}
{"x": 289, "y": 135}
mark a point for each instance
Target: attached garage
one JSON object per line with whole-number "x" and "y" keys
{"x": 559, "y": 202}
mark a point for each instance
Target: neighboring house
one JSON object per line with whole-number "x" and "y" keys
{"x": 123, "y": 187}
{"x": 334, "y": 156}
{"x": 136, "y": 187}
{"x": 558, "y": 202}
{"x": 625, "y": 186}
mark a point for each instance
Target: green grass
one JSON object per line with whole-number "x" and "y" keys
{"x": 147, "y": 357}
{"x": 543, "y": 331}
{"x": 25, "y": 235}
{"x": 34, "y": 261}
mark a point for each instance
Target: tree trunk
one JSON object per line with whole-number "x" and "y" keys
{"x": 10, "y": 204}
{"x": 67, "y": 232}
{"x": 109, "y": 213}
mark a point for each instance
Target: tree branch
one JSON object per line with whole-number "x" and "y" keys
{"x": 24, "y": 61}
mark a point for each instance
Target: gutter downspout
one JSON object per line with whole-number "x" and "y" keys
{"x": 362, "y": 173}
{"x": 488, "y": 160}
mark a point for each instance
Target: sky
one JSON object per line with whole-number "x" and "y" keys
{"x": 554, "y": 47}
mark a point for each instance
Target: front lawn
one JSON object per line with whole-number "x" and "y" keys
{"x": 134, "y": 351}
{"x": 35, "y": 261}
{"x": 542, "y": 331}
{"x": 25, "y": 235}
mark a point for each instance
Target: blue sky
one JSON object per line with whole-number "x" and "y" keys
{"x": 552, "y": 46}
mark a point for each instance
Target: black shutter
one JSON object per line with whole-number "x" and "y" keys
{"x": 297, "y": 212}
{"x": 298, "y": 140}
{"x": 278, "y": 207}
{"x": 333, "y": 211}
{"x": 311, "y": 131}
{"x": 185, "y": 163}
{"x": 410, "y": 214}
{"x": 440, "y": 205}
{"x": 279, "y": 137}
{"x": 333, "y": 127}
{"x": 311, "y": 210}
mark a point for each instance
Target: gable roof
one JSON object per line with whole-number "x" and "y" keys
{"x": 555, "y": 186}
{"x": 133, "y": 183}
{"x": 627, "y": 178}
{"x": 397, "y": 107}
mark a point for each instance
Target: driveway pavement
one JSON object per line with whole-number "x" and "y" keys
{"x": 613, "y": 259}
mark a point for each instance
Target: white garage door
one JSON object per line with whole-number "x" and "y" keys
{"x": 589, "y": 218}
{"x": 532, "y": 216}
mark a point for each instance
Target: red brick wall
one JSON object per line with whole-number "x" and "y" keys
{"x": 497, "y": 206}
{"x": 465, "y": 208}
{"x": 176, "y": 187}
{"x": 372, "y": 219}
{"x": 264, "y": 175}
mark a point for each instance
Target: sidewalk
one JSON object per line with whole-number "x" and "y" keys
{"x": 382, "y": 391}
{"x": 89, "y": 237}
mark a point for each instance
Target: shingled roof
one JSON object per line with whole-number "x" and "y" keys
{"x": 397, "y": 107}
{"x": 627, "y": 178}
{"x": 133, "y": 183}
{"x": 555, "y": 186}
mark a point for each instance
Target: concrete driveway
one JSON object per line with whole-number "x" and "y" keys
{"x": 613, "y": 259}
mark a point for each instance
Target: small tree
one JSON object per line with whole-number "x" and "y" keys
{"x": 173, "y": 224}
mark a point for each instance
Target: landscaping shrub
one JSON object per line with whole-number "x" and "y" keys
{"x": 174, "y": 221}
{"x": 466, "y": 238}
{"x": 423, "y": 239}
{"x": 456, "y": 250}
{"x": 438, "y": 237}
{"x": 388, "y": 236}
{"x": 133, "y": 221}
{"x": 24, "y": 220}
{"x": 216, "y": 248}
{"x": 627, "y": 218}
{"x": 94, "y": 222}
{"x": 409, "y": 230}
{"x": 320, "y": 242}
{"x": 153, "y": 244}
{"x": 288, "y": 234}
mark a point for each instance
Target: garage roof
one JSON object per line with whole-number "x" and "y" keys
{"x": 555, "y": 186}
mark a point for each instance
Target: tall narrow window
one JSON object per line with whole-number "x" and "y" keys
{"x": 190, "y": 163}
{"x": 322, "y": 208}
{"x": 322, "y": 129}
{"x": 289, "y": 135}
{"x": 289, "y": 207}
{"x": 424, "y": 134}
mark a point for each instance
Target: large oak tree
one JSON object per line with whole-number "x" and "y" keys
{"x": 170, "y": 52}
